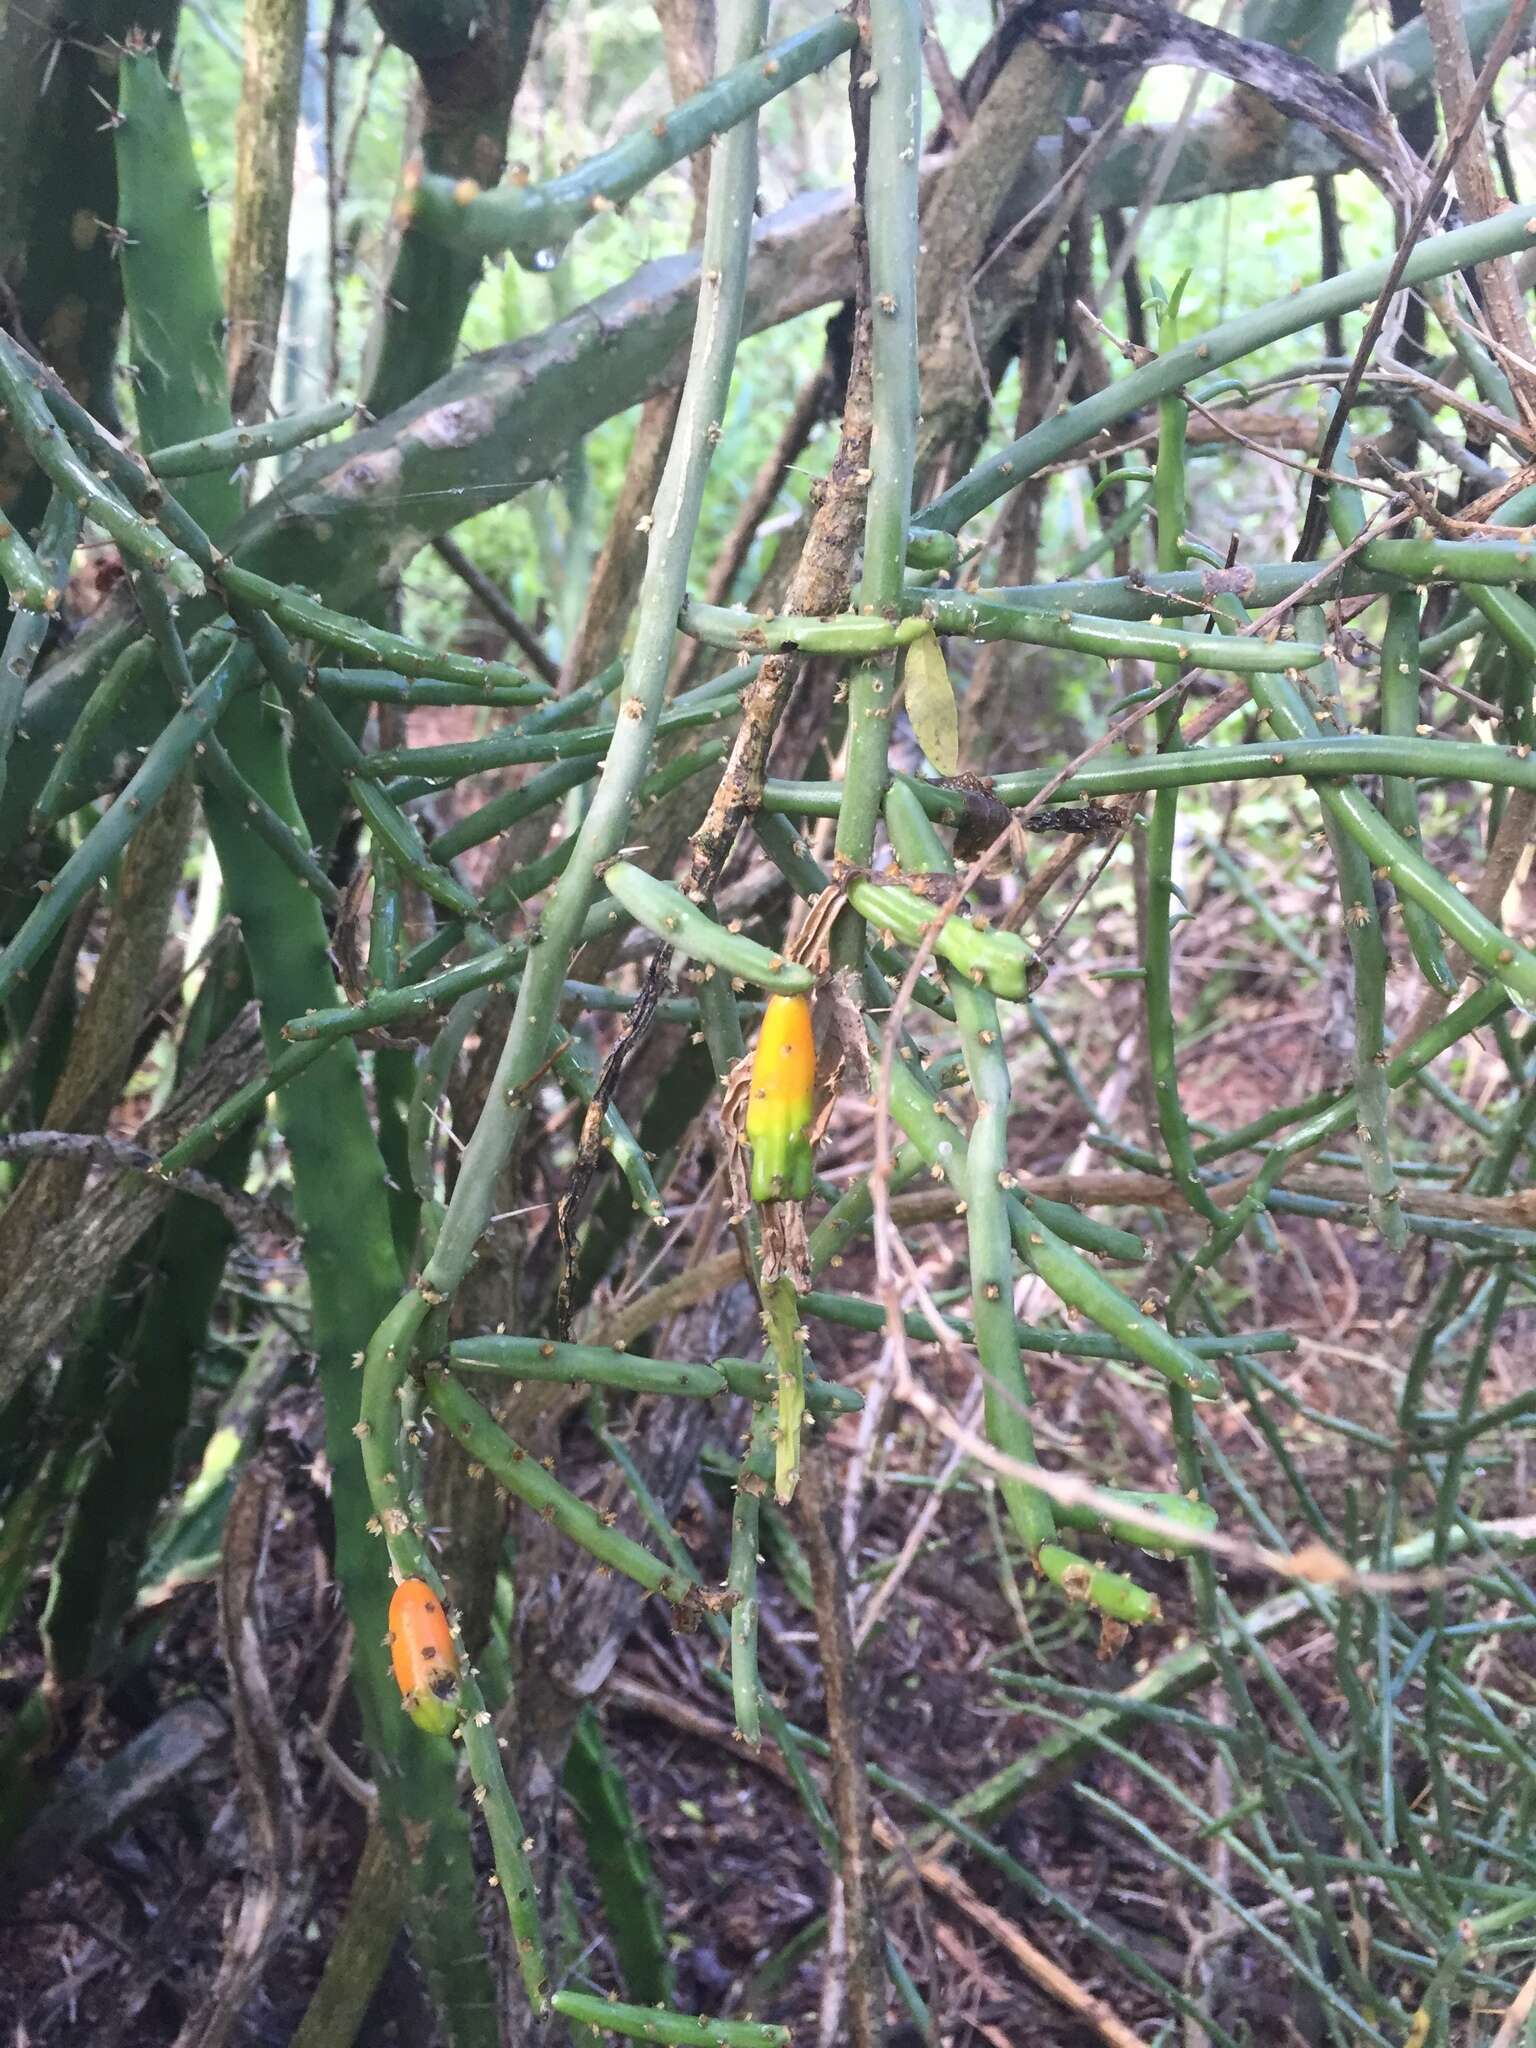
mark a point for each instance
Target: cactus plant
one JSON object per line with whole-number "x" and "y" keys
{"x": 497, "y": 972}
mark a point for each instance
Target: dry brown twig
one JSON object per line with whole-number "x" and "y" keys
{"x": 1502, "y": 48}
{"x": 861, "y": 1985}
{"x": 930, "y": 1867}
{"x": 1089, "y": 2011}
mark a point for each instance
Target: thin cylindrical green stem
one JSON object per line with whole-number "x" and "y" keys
{"x": 1400, "y": 675}
{"x": 383, "y": 686}
{"x": 504, "y": 1825}
{"x": 317, "y": 1030}
{"x": 56, "y": 539}
{"x": 533, "y": 221}
{"x": 893, "y": 80}
{"x": 577, "y": 1365}
{"x": 1407, "y": 869}
{"x": 1006, "y": 1391}
{"x": 985, "y": 618}
{"x": 311, "y": 620}
{"x": 778, "y": 1727}
{"x": 503, "y": 812}
{"x": 576, "y": 1070}
{"x": 741, "y": 1577}
{"x": 1472, "y": 1015}
{"x": 1200, "y": 355}
{"x": 1366, "y": 942}
{"x": 1350, "y": 754}
{"x": 1162, "y": 829}
{"x": 112, "y": 831}
{"x": 517, "y": 748}
{"x": 856, "y": 1313}
{"x": 336, "y": 746}
{"x": 65, "y": 788}
{"x": 1069, "y": 1276}
{"x": 432, "y": 1076}
{"x": 1176, "y": 1509}
{"x": 138, "y": 540}
{"x": 681, "y": 924}
{"x": 215, "y": 766}
{"x": 1381, "y": 567}
{"x": 756, "y": 1381}
{"x": 525, "y": 1478}
{"x": 26, "y": 580}
{"x": 1483, "y": 940}
{"x": 727, "y": 241}
{"x": 668, "y": 2029}
{"x": 495, "y": 965}
{"x": 237, "y": 445}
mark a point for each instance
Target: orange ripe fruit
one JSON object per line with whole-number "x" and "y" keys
{"x": 424, "y": 1656}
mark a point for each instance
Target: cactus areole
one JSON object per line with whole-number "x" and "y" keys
{"x": 782, "y": 1101}
{"x": 426, "y": 1663}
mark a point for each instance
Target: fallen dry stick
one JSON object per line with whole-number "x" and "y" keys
{"x": 937, "y": 1875}
{"x": 1036, "y": 1964}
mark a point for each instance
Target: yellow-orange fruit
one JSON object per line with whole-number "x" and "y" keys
{"x": 425, "y": 1659}
{"x": 782, "y": 1102}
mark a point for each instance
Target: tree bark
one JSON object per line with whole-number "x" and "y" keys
{"x": 266, "y": 124}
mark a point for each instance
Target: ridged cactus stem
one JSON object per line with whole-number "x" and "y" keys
{"x": 338, "y": 1174}
{"x": 620, "y": 1863}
